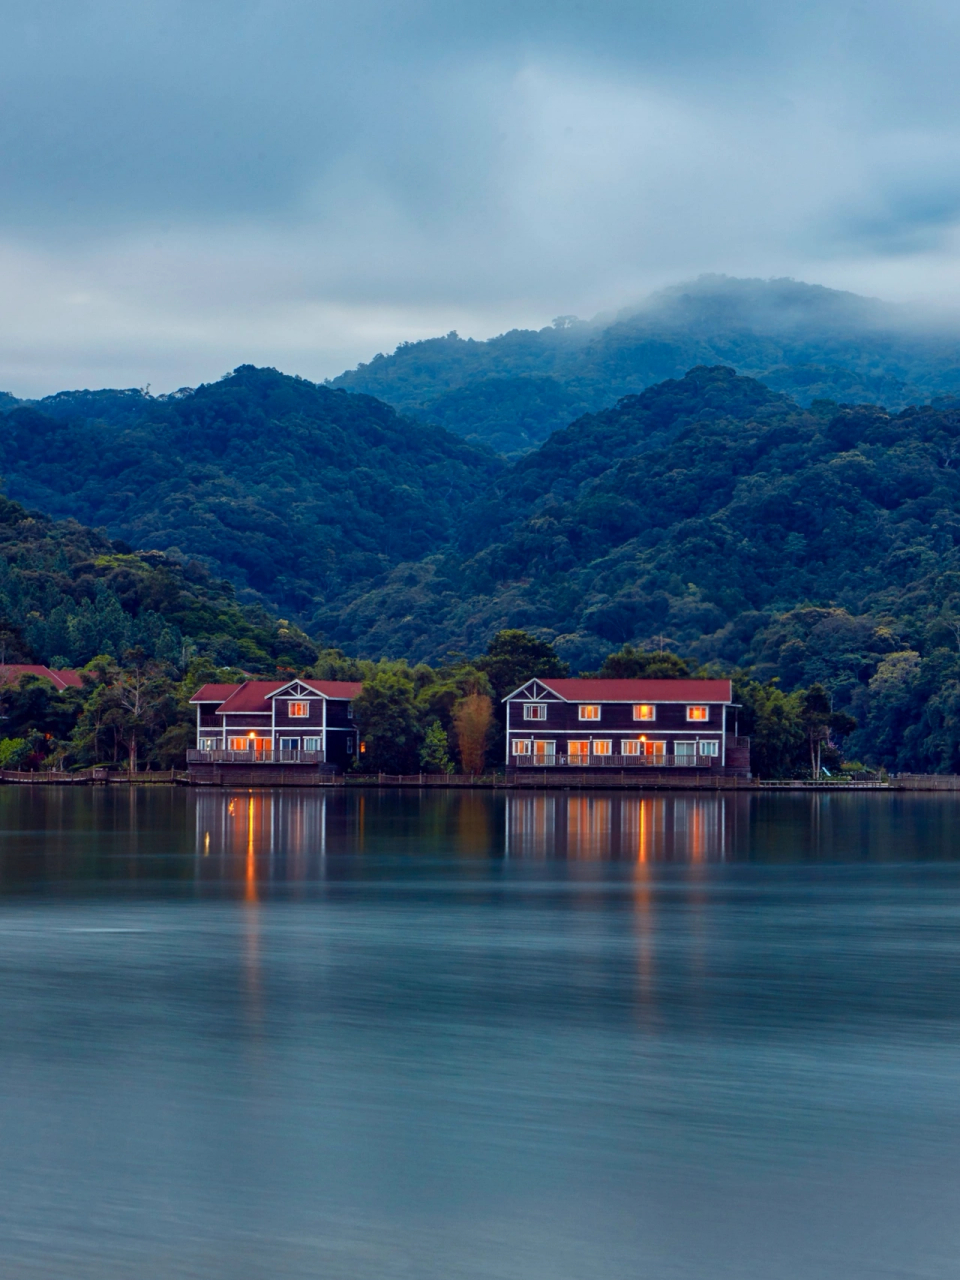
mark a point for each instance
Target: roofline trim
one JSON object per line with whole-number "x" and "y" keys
{"x": 679, "y": 702}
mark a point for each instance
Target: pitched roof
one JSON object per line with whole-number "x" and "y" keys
{"x": 666, "y": 690}
{"x": 252, "y": 696}
{"x": 336, "y": 688}
{"x": 214, "y": 692}
{"x": 10, "y": 673}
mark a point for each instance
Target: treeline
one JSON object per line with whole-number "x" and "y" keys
{"x": 411, "y": 717}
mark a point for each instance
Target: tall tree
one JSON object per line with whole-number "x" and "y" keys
{"x": 472, "y": 721}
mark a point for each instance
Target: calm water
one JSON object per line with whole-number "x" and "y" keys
{"x": 271, "y": 1035}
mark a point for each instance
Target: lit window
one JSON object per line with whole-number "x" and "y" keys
{"x": 544, "y": 748}
{"x": 698, "y": 713}
{"x": 521, "y": 747}
{"x": 239, "y": 744}
{"x": 299, "y": 709}
{"x": 641, "y": 747}
{"x": 578, "y": 749}
{"x": 602, "y": 747}
{"x": 590, "y": 713}
{"x": 534, "y": 711}
{"x": 708, "y": 748}
{"x": 644, "y": 712}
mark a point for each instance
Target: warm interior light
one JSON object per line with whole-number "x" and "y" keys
{"x": 253, "y": 735}
{"x": 643, "y": 737}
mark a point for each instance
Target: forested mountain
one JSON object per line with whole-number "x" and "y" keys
{"x": 710, "y": 515}
{"x": 300, "y": 493}
{"x": 68, "y": 594}
{"x": 812, "y": 343}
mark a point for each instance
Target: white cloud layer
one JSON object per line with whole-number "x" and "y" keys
{"x": 185, "y": 187}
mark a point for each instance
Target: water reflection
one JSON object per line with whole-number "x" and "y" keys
{"x": 244, "y": 841}
{"x": 640, "y": 829}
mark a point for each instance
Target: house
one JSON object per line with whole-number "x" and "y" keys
{"x": 625, "y": 724}
{"x": 10, "y": 673}
{"x": 306, "y": 724}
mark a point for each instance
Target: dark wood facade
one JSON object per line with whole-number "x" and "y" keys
{"x": 297, "y": 725}
{"x": 625, "y": 724}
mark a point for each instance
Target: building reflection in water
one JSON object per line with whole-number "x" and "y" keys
{"x": 636, "y": 828}
{"x": 260, "y": 836}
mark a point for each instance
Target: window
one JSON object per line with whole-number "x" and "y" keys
{"x": 522, "y": 747}
{"x": 644, "y": 712}
{"x": 313, "y": 744}
{"x": 240, "y": 744}
{"x": 590, "y": 713}
{"x": 289, "y": 744}
{"x": 684, "y": 748}
{"x": 711, "y": 748}
{"x": 578, "y": 748}
{"x": 535, "y": 711}
{"x": 349, "y": 710}
{"x": 209, "y": 744}
{"x": 602, "y": 747}
{"x": 698, "y": 713}
{"x": 544, "y": 748}
{"x": 299, "y": 709}
{"x": 640, "y": 747}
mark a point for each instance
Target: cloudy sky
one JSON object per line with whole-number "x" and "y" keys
{"x": 186, "y": 186}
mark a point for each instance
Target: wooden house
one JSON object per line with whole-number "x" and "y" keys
{"x": 625, "y": 724}
{"x": 302, "y": 725}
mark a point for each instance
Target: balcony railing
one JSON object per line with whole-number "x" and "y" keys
{"x": 255, "y": 757}
{"x": 616, "y": 762}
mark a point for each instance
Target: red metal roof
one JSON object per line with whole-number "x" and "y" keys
{"x": 336, "y": 688}
{"x": 214, "y": 692}
{"x": 252, "y": 696}
{"x": 11, "y": 672}
{"x": 587, "y": 690}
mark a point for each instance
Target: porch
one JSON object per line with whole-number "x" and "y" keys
{"x": 255, "y": 756}
{"x": 659, "y": 761}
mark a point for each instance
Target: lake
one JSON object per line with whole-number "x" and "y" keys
{"x": 465, "y": 1035}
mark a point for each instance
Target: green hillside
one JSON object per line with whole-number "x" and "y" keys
{"x": 804, "y": 340}
{"x": 69, "y": 594}
{"x": 300, "y": 494}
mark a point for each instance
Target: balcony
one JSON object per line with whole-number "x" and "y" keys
{"x": 254, "y": 757}
{"x": 616, "y": 762}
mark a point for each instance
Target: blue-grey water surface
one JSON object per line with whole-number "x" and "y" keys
{"x": 453, "y": 1036}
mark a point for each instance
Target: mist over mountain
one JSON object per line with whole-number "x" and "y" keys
{"x": 807, "y": 341}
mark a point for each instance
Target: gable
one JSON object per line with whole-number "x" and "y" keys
{"x": 296, "y": 689}
{"x": 533, "y": 691}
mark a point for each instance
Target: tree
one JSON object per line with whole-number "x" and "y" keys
{"x": 513, "y": 657}
{"x": 815, "y": 714}
{"x": 472, "y": 720}
{"x": 435, "y": 752}
{"x": 388, "y": 723}
{"x": 629, "y": 663}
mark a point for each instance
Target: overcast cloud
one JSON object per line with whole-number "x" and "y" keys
{"x": 188, "y": 186}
